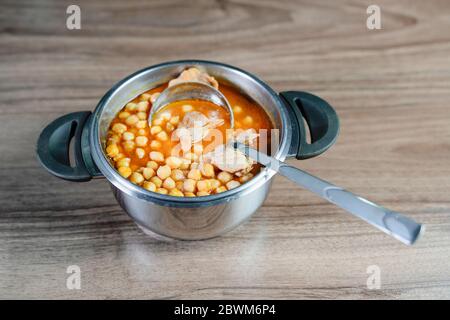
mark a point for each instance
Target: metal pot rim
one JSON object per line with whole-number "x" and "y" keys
{"x": 131, "y": 189}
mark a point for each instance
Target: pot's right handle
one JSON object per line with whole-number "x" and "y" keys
{"x": 322, "y": 121}
{"x": 53, "y": 147}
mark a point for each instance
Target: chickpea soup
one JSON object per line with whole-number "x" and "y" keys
{"x": 184, "y": 151}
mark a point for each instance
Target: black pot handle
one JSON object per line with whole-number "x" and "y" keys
{"x": 322, "y": 121}
{"x": 53, "y": 147}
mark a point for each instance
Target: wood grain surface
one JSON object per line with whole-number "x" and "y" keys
{"x": 390, "y": 87}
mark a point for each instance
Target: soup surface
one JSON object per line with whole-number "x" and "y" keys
{"x": 183, "y": 152}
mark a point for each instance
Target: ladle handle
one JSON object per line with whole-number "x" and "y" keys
{"x": 393, "y": 223}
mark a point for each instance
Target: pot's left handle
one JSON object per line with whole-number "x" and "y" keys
{"x": 54, "y": 143}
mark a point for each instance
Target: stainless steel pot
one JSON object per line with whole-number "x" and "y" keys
{"x": 178, "y": 217}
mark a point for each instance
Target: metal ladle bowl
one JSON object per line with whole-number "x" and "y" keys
{"x": 191, "y": 91}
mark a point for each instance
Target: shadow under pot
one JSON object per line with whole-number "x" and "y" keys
{"x": 186, "y": 218}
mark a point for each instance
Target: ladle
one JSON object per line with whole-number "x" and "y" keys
{"x": 393, "y": 223}
{"x": 191, "y": 91}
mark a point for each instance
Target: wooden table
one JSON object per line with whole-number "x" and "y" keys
{"x": 390, "y": 87}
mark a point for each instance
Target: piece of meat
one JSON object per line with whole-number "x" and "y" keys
{"x": 195, "y": 75}
{"x": 184, "y": 136}
{"x": 247, "y": 137}
{"x": 194, "y": 127}
{"x": 194, "y": 119}
{"x": 228, "y": 159}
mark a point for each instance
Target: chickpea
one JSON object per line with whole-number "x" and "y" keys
{"x": 207, "y": 170}
{"x": 150, "y": 186}
{"x": 194, "y": 165}
{"x": 175, "y": 192}
{"x": 189, "y": 185}
{"x": 232, "y": 184}
{"x": 118, "y": 157}
{"x": 224, "y": 177}
{"x": 165, "y": 115}
{"x": 148, "y": 173}
{"x": 140, "y": 153}
{"x": 125, "y": 162}
{"x": 124, "y": 171}
{"x": 141, "y": 124}
{"x": 155, "y": 130}
{"x": 204, "y": 185}
{"x": 155, "y": 144}
{"x": 157, "y": 181}
{"x": 156, "y": 156}
{"x": 124, "y": 115}
{"x": 187, "y": 108}
{"x": 248, "y": 120}
{"x": 162, "y": 136}
{"x": 214, "y": 183}
{"x": 141, "y": 141}
{"x": 142, "y": 106}
{"x": 127, "y": 136}
{"x": 185, "y": 163}
{"x": 221, "y": 189}
{"x": 157, "y": 122}
{"x": 145, "y": 97}
{"x": 119, "y": 128}
{"x": 191, "y": 156}
{"x": 246, "y": 177}
{"x": 189, "y": 194}
{"x": 173, "y": 162}
{"x": 142, "y": 115}
{"x": 170, "y": 127}
{"x": 142, "y": 132}
{"x": 177, "y": 175}
{"x": 195, "y": 174}
{"x": 131, "y": 106}
{"x": 136, "y": 178}
{"x": 132, "y": 120}
{"x": 152, "y": 164}
{"x": 113, "y": 139}
{"x": 198, "y": 149}
{"x": 128, "y": 145}
{"x": 169, "y": 183}
{"x": 162, "y": 191}
{"x": 179, "y": 185}
{"x": 202, "y": 193}
{"x": 174, "y": 120}
{"x": 237, "y": 109}
{"x": 112, "y": 150}
{"x": 163, "y": 172}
